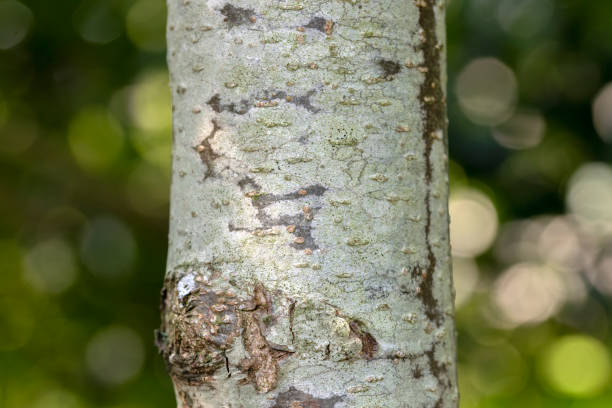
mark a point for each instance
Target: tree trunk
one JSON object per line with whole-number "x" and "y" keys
{"x": 308, "y": 259}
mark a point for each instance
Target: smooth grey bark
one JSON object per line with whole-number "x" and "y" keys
{"x": 309, "y": 261}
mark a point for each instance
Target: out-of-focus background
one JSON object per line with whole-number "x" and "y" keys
{"x": 85, "y": 133}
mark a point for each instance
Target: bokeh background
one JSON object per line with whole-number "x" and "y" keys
{"x": 85, "y": 132}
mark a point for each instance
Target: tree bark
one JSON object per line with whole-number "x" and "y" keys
{"x": 309, "y": 261}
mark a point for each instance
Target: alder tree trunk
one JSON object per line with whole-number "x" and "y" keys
{"x": 309, "y": 261}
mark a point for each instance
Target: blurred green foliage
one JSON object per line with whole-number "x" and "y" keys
{"x": 85, "y": 133}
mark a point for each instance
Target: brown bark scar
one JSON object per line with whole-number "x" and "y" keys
{"x": 261, "y": 366}
{"x": 207, "y": 154}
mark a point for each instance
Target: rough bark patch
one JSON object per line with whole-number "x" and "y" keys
{"x": 198, "y": 325}
{"x": 294, "y": 398}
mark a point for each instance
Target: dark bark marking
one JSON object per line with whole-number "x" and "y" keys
{"x": 235, "y": 16}
{"x": 248, "y": 181}
{"x": 390, "y": 68}
{"x": 239, "y": 109}
{"x": 294, "y": 398}
{"x": 245, "y": 105}
{"x": 440, "y": 372}
{"x": 207, "y": 154}
{"x": 302, "y": 221}
{"x": 434, "y": 108}
{"x": 291, "y": 316}
{"x": 369, "y": 345}
{"x": 321, "y": 24}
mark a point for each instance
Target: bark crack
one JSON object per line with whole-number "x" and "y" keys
{"x": 434, "y": 108}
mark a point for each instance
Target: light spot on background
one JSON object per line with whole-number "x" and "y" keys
{"x": 151, "y": 112}
{"x": 562, "y": 245}
{"x": 96, "y": 22}
{"x": 146, "y": 25}
{"x": 465, "y": 279}
{"x": 473, "y": 225}
{"x": 115, "y": 355}
{"x": 96, "y": 139}
{"x": 524, "y": 18}
{"x": 50, "y": 266}
{"x": 521, "y": 131}
{"x": 15, "y": 22}
{"x": 518, "y": 240}
{"x": 58, "y": 399}
{"x": 577, "y": 365}
{"x": 108, "y": 247}
{"x": 487, "y": 91}
{"x": 602, "y": 113}
{"x": 529, "y": 293}
{"x": 589, "y": 193}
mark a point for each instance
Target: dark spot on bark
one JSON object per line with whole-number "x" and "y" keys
{"x": 248, "y": 184}
{"x": 239, "y": 108}
{"x": 293, "y": 398}
{"x": 302, "y": 221}
{"x": 235, "y": 16}
{"x": 207, "y": 154}
{"x": 321, "y": 24}
{"x": 417, "y": 373}
{"x": 390, "y": 68}
{"x": 369, "y": 345}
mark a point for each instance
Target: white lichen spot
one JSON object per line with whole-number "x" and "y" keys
{"x": 185, "y": 286}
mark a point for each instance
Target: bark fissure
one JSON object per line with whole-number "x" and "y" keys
{"x": 434, "y": 109}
